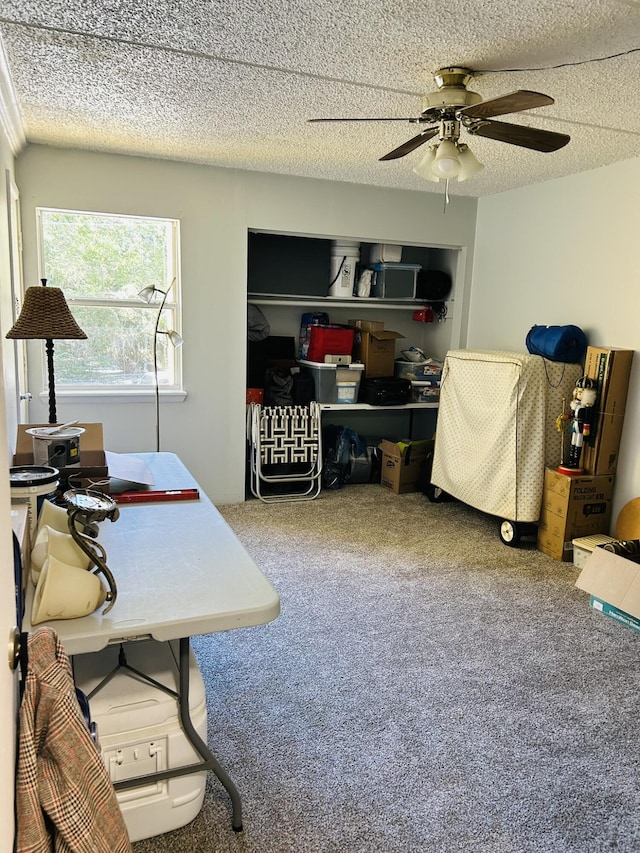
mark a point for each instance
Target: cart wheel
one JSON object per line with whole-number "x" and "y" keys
{"x": 436, "y": 495}
{"x": 510, "y": 533}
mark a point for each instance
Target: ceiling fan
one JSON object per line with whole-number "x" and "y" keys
{"x": 453, "y": 107}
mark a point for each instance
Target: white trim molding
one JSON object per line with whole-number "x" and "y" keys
{"x": 10, "y": 116}
{"x": 116, "y": 395}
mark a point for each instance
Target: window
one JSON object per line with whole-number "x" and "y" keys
{"x": 102, "y": 262}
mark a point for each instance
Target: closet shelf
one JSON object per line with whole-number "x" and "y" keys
{"x": 366, "y": 407}
{"x": 327, "y": 302}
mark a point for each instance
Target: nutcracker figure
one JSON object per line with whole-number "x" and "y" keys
{"x": 581, "y": 421}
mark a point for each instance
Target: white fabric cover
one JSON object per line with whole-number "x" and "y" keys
{"x": 496, "y": 429}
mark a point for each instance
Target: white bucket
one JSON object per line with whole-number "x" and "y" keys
{"x": 61, "y": 450}
{"x": 32, "y": 485}
{"x": 345, "y": 257}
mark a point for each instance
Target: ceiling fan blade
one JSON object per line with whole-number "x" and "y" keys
{"x": 411, "y": 144}
{"x": 517, "y": 134}
{"x": 316, "y": 120}
{"x": 515, "y": 102}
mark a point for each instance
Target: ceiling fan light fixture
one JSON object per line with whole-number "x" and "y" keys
{"x": 446, "y": 163}
{"x": 423, "y": 169}
{"x": 469, "y": 165}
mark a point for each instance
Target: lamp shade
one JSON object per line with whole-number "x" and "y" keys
{"x": 147, "y": 293}
{"x": 46, "y": 315}
{"x": 446, "y": 163}
{"x": 175, "y": 337}
{"x": 469, "y": 165}
{"x": 423, "y": 169}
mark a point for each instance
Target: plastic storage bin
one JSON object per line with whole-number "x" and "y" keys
{"x": 394, "y": 281}
{"x": 334, "y": 383}
{"x": 425, "y": 392}
{"x": 418, "y": 371}
{"x": 329, "y": 340}
{"x": 139, "y": 732}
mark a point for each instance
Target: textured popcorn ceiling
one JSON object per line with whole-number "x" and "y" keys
{"x": 233, "y": 83}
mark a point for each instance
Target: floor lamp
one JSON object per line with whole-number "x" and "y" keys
{"x": 46, "y": 316}
{"x": 148, "y": 295}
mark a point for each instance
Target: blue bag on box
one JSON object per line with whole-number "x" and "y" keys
{"x": 558, "y": 343}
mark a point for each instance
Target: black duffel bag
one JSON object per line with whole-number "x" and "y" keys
{"x": 385, "y": 391}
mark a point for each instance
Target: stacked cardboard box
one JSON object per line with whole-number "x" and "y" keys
{"x": 611, "y": 368}
{"x": 572, "y": 506}
{"x": 374, "y": 347}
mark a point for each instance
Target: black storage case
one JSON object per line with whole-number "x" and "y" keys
{"x": 385, "y": 391}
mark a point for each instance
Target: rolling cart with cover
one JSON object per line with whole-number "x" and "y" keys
{"x": 497, "y": 432}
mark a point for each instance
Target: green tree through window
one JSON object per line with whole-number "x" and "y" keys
{"x": 101, "y": 262}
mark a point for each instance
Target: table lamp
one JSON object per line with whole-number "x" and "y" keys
{"x": 46, "y": 316}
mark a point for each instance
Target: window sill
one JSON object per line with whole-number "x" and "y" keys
{"x": 117, "y": 395}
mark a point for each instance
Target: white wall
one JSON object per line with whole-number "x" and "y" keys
{"x": 216, "y": 207}
{"x": 565, "y": 251}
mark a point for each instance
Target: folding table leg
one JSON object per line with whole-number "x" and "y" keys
{"x": 209, "y": 761}
{"x": 197, "y": 742}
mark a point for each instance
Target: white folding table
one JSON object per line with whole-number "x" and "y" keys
{"x": 180, "y": 571}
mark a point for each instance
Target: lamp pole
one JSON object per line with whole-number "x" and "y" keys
{"x": 155, "y": 365}
{"x": 53, "y": 418}
{"x": 147, "y": 294}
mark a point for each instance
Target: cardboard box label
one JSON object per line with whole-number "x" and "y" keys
{"x": 614, "y": 613}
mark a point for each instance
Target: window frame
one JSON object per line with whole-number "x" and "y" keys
{"x": 172, "y": 308}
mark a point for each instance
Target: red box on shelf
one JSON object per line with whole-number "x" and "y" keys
{"x": 330, "y": 340}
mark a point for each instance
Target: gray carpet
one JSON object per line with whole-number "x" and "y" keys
{"x": 426, "y": 688}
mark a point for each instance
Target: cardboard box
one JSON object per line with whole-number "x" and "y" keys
{"x": 403, "y": 464}
{"x": 93, "y": 465}
{"x": 376, "y": 350}
{"x": 614, "y": 581}
{"x": 367, "y": 325}
{"x": 611, "y": 368}
{"x": 572, "y": 507}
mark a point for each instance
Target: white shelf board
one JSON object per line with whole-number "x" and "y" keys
{"x": 318, "y": 301}
{"x": 367, "y": 407}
